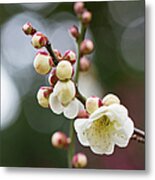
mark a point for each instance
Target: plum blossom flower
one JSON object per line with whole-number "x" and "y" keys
{"x": 63, "y": 99}
{"x": 106, "y": 127}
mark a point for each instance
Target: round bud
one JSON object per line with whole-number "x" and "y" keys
{"x": 79, "y": 160}
{"x": 64, "y": 70}
{"x": 43, "y": 96}
{"x": 110, "y": 99}
{"x": 60, "y": 140}
{"x": 84, "y": 64}
{"x": 86, "y": 17}
{"x": 78, "y": 8}
{"x": 39, "y": 40}
{"x": 74, "y": 31}
{"x": 28, "y": 29}
{"x": 42, "y": 62}
{"x": 70, "y": 56}
{"x": 52, "y": 78}
{"x": 58, "y": 54}
{"x": 86, "y": 46}
{"x": 93, "y": 103}
{"x": 83, "y": 114}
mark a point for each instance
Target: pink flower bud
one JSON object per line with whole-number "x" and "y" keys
{"x": 60, "y": 140}
{"x": 86, "y": 17}
{"x": 79, "y": 160}
{"x": 43, "y": 96}
{"x": 70, "y": 56}
{"x": 93, "y": 103}
{"x": 78, "y": 8}
{"x": 82, "y": 114}
{"x": 52, "y": 79}
{"x": 28, "y": 29}
{"x": 39, "y": 40}
{"x": 74, "y": 31}
{"x": 86, "y": 46}
{"x": 64, "y": 70}
{"x": 58, "y": 54}
{"x": 84, "y": 64}
{"x": 43, "y": 62}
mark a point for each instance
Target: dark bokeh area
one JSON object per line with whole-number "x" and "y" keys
{"x": 117, "y": 29}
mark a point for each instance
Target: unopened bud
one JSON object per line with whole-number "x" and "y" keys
{"x": 74, "y": 31}
{"x": 70, "y": 56}
{"x": 79, "y": 160}
{"x": 86, "y": 46}
{"x": 64, "y": 70}
{"x": 39, "y": 40}
{"x": 60, "y": 140}
{"x": 28, "y": 29}
{"x": 84, "y": 64}
{"x": 110, "y": 99}
{"x": 78, "y": 8}
{"x": 86, "y": 17}
{"x": 58, "y": 54}
{"x": 93, "y": 103}
{"x": 52, "y": 78}
{"x": 83, "y": 114}
{"x": 43, "y": 96}
{"x": 42, "y": 62}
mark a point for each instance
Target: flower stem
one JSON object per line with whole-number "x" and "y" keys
{"x": 71, "y": 149}
{"x": 51, "y": 52}
{"x": 83, "y": 29}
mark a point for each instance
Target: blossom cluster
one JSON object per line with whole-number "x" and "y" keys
{"x": 102, "y": 123}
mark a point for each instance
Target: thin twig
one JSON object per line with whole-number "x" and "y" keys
{"x": 51, "y": 52}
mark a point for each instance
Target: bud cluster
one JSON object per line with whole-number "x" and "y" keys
{"x": 86, "y": 46}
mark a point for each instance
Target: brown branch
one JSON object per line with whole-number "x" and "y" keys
{"x": 138, "y": 135}
{"x": 52, "y": 54}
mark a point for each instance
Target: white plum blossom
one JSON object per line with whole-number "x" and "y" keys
{"x": 63, "y": 99}
{"x": 106, "y": 127}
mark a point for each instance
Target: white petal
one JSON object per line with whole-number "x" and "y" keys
{"x": 98, "y": 113}
{"x": 99, "y": 150}
{"x": 71, "y": 111}
{"x": 55, "y": 105}
{"x": 80, "y": 126}
{"x": 119, "y": 112}
{"x": 129, "y": 127}
{"x": 122, "y": 137}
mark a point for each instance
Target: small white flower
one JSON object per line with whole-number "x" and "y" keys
{"x": 106, "y": 127}
{"x": 64, "y": 70}
{"x": 63, "y": 99}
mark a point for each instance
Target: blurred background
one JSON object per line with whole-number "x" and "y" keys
{"x": 117, "y": 28}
